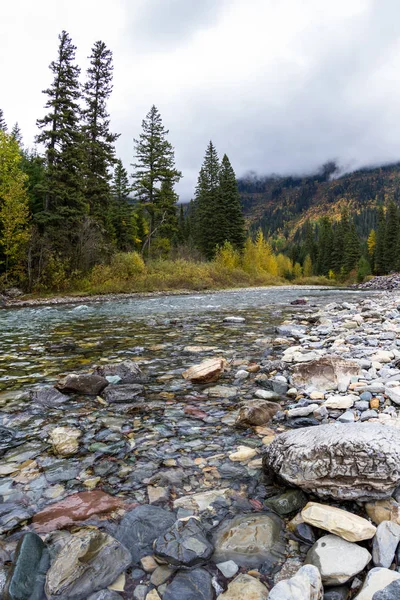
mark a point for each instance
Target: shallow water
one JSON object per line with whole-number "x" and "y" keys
{"x": 38, "y": 344}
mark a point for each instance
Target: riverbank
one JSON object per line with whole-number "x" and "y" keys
{"x": 123, "y": 460}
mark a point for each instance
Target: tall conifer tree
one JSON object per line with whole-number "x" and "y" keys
{"x": 154, "y": 171}
{"x": 380, "y": 253}
{"x": 391, "y": 237}
{"x": 122, "y": 213}
{"x": 98, "y": 139}
{"x": 207, "y": 203}
{"x": 62, "y": 139}
{"x": 232, "y": 223}
{"x": 3, "y": 124}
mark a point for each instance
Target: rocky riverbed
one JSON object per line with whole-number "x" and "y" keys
{"x": 248, "y": 455}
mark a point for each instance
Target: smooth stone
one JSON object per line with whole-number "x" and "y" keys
{"x": 123, "y": 393}
{"x": 65, "y": 440}
{"x": 184, "y": 544}
{"x": 141, "y": 526}
{"x": 339, "y": 522}
{"x": 234, "y": 319}
{"x": 377, "y": 579}
{"x": 89, "y": 561}
{"x": 368, "y": 414}
{"x": 245, "y": 586}
{"x": 340, "y": 402}
{"x": 243, "y": 453}
{"x": 385, "y": 543}
{"x": 266, "y": 395}
{"x": 208, "y": 371}
{"x": 190, "y": 585}
{"x": 48, "y": 397}
{"x": 256, "y": 413}
{"x": 347, "y": 417}
{"x": 28, "y": 572}
{"x": 249, "y": 540}
{"x": 91, "y": 385}
{"x": 355, "y": 461}
{"x": 391, "y": 592}
{"x": 105, "y": 595}
{"x": 301, "y": 422}
{"x": 127, "y": 371}
{"x": 306, "y": 584}
{"x": 228, "y": 568}
{"x": 202, "y": 500}
{"x": 383, "y": 510}
{"x": 302, "y": 411}
{"x": 393, "y": 393}
{"x": 326, "y": 373}
{"x": 337, "y": 560}
{"x": 222, "y": 391}
{"x": 288, "y": 502}
{"x": 77, "y": 507}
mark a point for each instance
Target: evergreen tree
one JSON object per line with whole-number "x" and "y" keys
{"x": 207, "y": 203}
{"x": 98, "y": 140}
{"x": 17, "y": 135}
{"x": 352, "y": 251}
{"x": 122, "y": 214}
{"x": 391, "y": 237}
{"x": 310, "y": 248}
{"x": 3, "y": 124}
{"x": 64, "y": 203}
{"x": 380, "y": 253}
{"x": 232, "y": 223}
{"x": 325, "y": 247}
{"x": 341, "y": 233}
{"x": 371, "y": 245}
{"x": 154, "y": 166}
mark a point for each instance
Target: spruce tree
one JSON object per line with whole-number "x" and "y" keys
{"x": 154, "y": 166}
{"x": 60, "y": 134}
{"x": 207, "y": 203}
{"x": 341, "y": 233}
{"x": 3, "y": 124}
{"x": 380, "y": 253}
{"x": 98, "y": 140}
{"x": 17, "y": 135}
{"x": 325, "y": 247}
{"x": 121, "y": 210}
{"x": 391, "y": 237}
{"x": 352, "y": 250}
{"x": 232, "y": 223}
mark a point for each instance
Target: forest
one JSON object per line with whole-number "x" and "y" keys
{"x": 74, "y": 218}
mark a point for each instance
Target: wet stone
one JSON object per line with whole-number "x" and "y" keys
{"x": 287, "y": 503}
{"x": 61, "y": 470}
{"x": 48, "y": 397}
{"x": 27, "y": 576}
{"x": 184, "y": 544}
{"x": 127, "y": 371}
{"x": 91, "y": 385}
{"x": 190, "y": 585}
{"x": 123, "y": 393}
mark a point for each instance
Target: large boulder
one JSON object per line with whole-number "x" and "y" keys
{"x": 326, "y": 373}
{"x": 355, "y": 461}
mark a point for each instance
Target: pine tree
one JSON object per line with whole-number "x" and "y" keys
{"x": 340, "y": 234}
{"x": 207, "y": 203}
{"x": 352, "y": 250}
{"x": 154, "y": 165}
{"x": 98, "y": 140}
{"x": 380, "y": 253}
{"x": 3, "y": 124}
{"x": 325, "y": 247}
{"x": 310, "y": 245}
{"x": 17, "y": 135}
{"x": 122, "y": 214}
{"x": 230, "y": 217}
{"x": 60, "y": 133}
{"x": 391, "y": 237}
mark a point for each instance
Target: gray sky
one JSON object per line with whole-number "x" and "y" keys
{"x": 281, "y": 86}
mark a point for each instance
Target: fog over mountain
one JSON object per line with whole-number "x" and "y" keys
{"x": 281, "y": 87}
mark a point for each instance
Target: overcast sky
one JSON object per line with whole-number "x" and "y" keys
{"x": 281, "y": 86}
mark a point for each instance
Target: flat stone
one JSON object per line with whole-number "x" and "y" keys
{"x": 161, "y": 574}
{"x": 48, "y": 397}
{"x": 207, "y": 371}
{"x": 385, "y": 543}
{"x": 340, "y": 402}
{"x": 234, "y": 319}
{"x": 249, "y": 540}
{"x": 337, "y": 560}
{"x": 184, "y": 544}
{"x": 302, "y": 411}
{"x": 104, "y": 595}
{"x": 326, "y": 373}
{"x": 391, "y": 592}
{"x": 88, "y": 562}
{"x": 256, "y": 413}
{"x": 242, "y": 454}
{"x": 74, "y": 508}
{"x": 355, "y": 461}
{"x": 202, "y": 500}
{"x": 245, "y": 586}
{"x": 123, "y": 393}
{"x": 377, "y": 579}
{"x": 339, "y": 522}
{"x": 228, "y": 568}
{"x": 65, "y": 440}
{"x": 190, "y": 585}
{"x": 140, "y": 527}
{"x": 266, "y": 395}
{"x": 222, "y": 391}
{"x": 91, "y": 385}
{"x": 305, "y": 585}
{"x": 28, "y": 572}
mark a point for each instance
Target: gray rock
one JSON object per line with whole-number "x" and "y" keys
{"x": 190, "y": 585}
{"x": 346, "y": 417}
{"x": 121, "y": 393}
{"x": 391, "y": 592}
{"x": 296, "y": 331}
{"x": 288, "y": 502}
{"x": 305, "y": 585}
{"x": 89, "y": 561}
{"x": 359, "y": 461}
{"x": 105, "y": 595}
{"x": 337, "y": 560}
{"x": 368, "y": 414}
{"x": 128, "y": 371}
{"x": 91, "y": 385}
{"x": 228, "y": 568}
{"x": 48, "y": 397}
{"x": 336, "y": 593}
{"x": 362, "y": 405}
{"x": 28, "y": 572}
{"x": 140, "y": 527}
{"x": 385, "y": 542}
{"x": 184, "y": 544}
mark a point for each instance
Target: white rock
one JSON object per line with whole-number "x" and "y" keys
{"x": 393, "y": 392}
{"x": 337, "y": 559}
{"x": 377, "y": 579}
{"x": 228, "y": 568}
{"x": 234, "y": 320}
{"x": 342, "y": 402}
{"x": 245, "y": 586}
{"x": 202, "y": 500}
{"x": 302, "y": 411}
{"x": 340, "y": 522}
{"x": 243, "y": 453}
{"x": 207, "y": 371}
{"x": 305, "y": 585}
{"x": 266, "y": 395}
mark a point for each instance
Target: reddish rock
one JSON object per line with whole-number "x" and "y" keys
{"x": 77, "y": 507}
{"x": 195, "y": 412}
